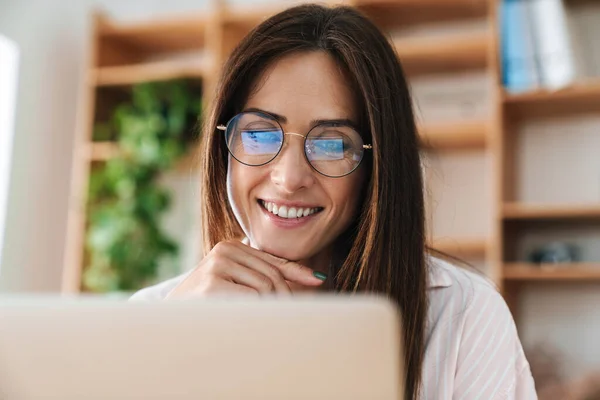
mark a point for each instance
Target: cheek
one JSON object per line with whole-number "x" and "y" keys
{"x": 345, "y": 195}
{"x": 236, "y": 190}
{"x": 241, "y": 180}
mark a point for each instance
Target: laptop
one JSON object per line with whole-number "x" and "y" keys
{"x": 318, "y": 347}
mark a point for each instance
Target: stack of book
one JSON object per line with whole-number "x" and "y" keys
{"x": 546, "y": 45}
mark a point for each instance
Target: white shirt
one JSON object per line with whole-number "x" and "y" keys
{"x": 472, "y": 350}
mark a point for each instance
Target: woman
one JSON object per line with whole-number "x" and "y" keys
{"x": 312, "y": 181}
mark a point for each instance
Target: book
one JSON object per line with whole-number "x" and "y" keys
{"x": 553, "y": 50}
{"x": 519, "y": 69}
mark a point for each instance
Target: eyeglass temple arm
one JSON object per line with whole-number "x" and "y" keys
{"x": 224, "y": 128}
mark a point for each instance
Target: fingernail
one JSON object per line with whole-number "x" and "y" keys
{"x": 320, "y": 275}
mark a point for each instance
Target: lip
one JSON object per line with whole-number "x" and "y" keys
{"x": 286, "y": 223}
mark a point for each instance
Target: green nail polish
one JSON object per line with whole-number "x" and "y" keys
{"x": 320, "y": 275}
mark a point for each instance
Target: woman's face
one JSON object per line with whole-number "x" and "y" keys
{"x": 300, "y": 88}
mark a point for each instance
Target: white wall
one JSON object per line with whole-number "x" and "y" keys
{"x": 50, "y": 37}
{"x": 9, "y": 64}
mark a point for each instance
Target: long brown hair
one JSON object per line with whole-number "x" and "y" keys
{"x": 384, "y": 251}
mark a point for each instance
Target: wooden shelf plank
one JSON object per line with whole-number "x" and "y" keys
{"x": 423, "y": 3}
{"x": 428, "y": 55}
{"x": 552, "y": 272}
{"x": 185, "y": 32}
{"x": 461, "y": 246}
{"x": 402, "y": 12}
{"x": 104, "y": 151}
{"x": 101, "y": 151}
{"x": 148, "y": 72}
{"x": 578, "y": 97}
{"x": 548, "y": 211}
{"x": 457, "y": 135}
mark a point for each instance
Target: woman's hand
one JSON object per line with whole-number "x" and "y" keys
{"x": 232, "y": 267}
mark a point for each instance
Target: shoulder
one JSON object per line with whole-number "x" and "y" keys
{"x": 158, "y": 291}
{"x": 472, "y": 318}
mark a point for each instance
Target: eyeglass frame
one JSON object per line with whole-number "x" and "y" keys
{"x": 223, "y": 128}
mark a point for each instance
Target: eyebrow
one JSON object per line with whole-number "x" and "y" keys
{"x": 314, "y": 122}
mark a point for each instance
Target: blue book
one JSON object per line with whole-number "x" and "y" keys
{"x": 519, "y": 71}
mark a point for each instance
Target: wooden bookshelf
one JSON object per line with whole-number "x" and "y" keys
{"x": 552, "y": 272}
{"x": 122, "y": 55}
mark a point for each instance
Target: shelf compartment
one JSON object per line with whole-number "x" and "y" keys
{"x": 457, "y": 135}
{"x": 552, "y": 272}
{"x": 517, "y": 211}
{"x": 159, "y": 35}
{"x": 430, "y": 55}
{"x": 147, "y": 72}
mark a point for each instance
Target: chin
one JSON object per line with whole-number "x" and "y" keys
{"x": 288, "y": 251}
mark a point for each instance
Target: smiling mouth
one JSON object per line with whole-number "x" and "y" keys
{"x": 289, "y": 212}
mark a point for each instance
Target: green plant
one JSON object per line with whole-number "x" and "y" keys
{"x": 125, "y": 242}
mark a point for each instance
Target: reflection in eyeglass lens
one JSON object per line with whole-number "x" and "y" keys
{"x": 261, "y": 142}
{"x": 326, "y": 149}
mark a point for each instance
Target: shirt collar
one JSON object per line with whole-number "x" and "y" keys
{"x": 438, "y": 275}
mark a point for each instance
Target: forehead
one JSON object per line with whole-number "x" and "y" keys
{"x": 304, "y": 86}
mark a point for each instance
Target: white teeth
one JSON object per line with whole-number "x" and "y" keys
{"x": 284, "y": 212}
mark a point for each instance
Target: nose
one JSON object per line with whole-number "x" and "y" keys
{"x": 290, "y": 170}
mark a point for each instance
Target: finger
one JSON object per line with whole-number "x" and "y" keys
{"x": 215, "y": 287}
{"x": 226, "y": 288}
{"x": 291, "y": 271}
{"x": 243, "y": 275}
{"x": 256, "y": 263}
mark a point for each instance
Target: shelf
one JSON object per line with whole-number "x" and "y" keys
{"x": 552, "y": 272}
{"x": 579, "y": 97}
{"x": 104, "y": 151}
{"x": 399, "y": 12}
{"x": 549, "y": 212}
{"x": 429, "y": 55}
{"x": 458, "y": 135}
{"x": 180, "y": 33}
{"x": 460, "y": 246}
{"x": 148, "y": 72}
{"x": 101, "y": 151}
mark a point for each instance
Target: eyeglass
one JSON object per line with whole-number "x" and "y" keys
{"x": 255, "y": 138}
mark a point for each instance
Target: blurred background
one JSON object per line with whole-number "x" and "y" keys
{"x": 100, "y": 100}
